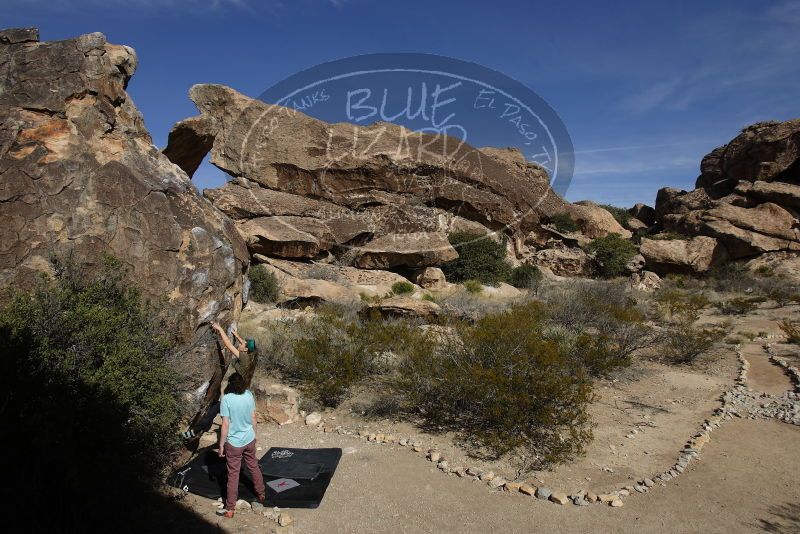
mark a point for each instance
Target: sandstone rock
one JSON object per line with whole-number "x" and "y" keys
{"x": 434, "y": 456}
{"x": 694, "y": 255}
{"x": 313, "y": 419}
{"x": 285, "y": 519}
{"x": 242, "y": 504}
{"x": 643, "y": 213}
{"x": 80, "y": 175}
{"x": 397, "y": 180}
{"x": 766, "y": 151}
{"x": 559, "y": 498}
{"x": 286, "y": 237}
{"x": 595, "y": 221}
{"x": 616, "y": 503}
{"x": 635, "y": 264}
{"x": 368, "y": 281}
{"x": 676, "y": 201}
{"x": 276, "y": 402}
{"x": 783, "y": 194}
{"x": 513, "y": 487}
{"x": 606, "y": 498}
{"x": 564, "y": 261}
{"x": 744, "y": 231}
{"x": 404, "y": 307}
{"x": 497, "y": 482}
{"x": 785, "y": 264}
{"x": 420, "y": 249}
{"x": 646, "y": 281}
{"x": 430, "y": 278}
{"x": 527, "y": 489}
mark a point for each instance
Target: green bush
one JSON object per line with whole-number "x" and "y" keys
{"x": 611, "y": 254}
{"x": 332, "y": 353}
{"x": 402, "y": 288}
{"x": 525, "y": 276}
{"x": 564, "y": 223}
{"x": 429, "y": 297}
{"x": 264, "y": 286}
{"x": 480, "y": 258}
{"x": 503, "y": 386}
{"x": 473, "y": 286}
{"x": 86, "y": 393}
{"x": 684, "y": 343}
{"x": 620, "y": 214}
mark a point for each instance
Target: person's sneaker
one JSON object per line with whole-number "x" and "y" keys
{"x": 226, "y": 513}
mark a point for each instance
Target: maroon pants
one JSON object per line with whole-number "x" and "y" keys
{"x": 233, "y": 459}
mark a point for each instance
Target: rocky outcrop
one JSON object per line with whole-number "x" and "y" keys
{"x": 403, "y": 307}
{"x": 595, "y": 221}
{"x": 763, "y": 152}
{"x": 369, "y": 185}
{"x": 430, "y": 278}
{"x": 747, "y": 196}
{"x": 643, "y": 213}
{"x": 566, "y": 261}
{"x": 418, "y": 249}
{"x": 695, "y": 255}
{"x": 79, "y": 175}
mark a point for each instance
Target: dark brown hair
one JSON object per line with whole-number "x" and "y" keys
{"x": 236, "y": 384}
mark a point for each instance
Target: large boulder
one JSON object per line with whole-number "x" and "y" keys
{"x": 744, "y": 231}
{"x": 364, "y": 182}
{"x": 643, "y": 213}
{"x": 595, "y": 221}
{"x": 286, "y": 237}
{"x": 695, "y": 255}
{"x": 79, "y": 175}
{"x": 403, "y": 307}
{"x": 566, "y": 261}
{"x": 765, "y": 151}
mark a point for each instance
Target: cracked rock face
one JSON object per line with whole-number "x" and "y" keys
{"x": 364, "y": 183}
{"x": 79, "y": 174}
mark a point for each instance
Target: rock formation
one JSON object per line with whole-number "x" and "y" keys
{"x": 79, "y": 174}
{"x": 374, "y": 197}
{"x": 746, "y": 203}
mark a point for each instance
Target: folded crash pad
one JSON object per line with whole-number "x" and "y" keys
{"x": 311, "y": 469}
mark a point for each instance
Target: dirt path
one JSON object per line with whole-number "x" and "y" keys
{"x": 747, "y": 477}
{"x": 764, "y": 375}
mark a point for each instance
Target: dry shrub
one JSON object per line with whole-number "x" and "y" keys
{"x": 792, "y": 331}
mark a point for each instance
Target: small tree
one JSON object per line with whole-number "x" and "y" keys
{"x": 611, "y": 254}
{"x": 480, "y": 258}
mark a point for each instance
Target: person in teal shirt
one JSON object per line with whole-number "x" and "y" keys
{"x": 237, "y": 439}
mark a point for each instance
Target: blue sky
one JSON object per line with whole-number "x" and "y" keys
{"x": 644, "y": 88}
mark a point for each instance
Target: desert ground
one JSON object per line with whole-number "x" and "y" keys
{"x": 744, "y": 480}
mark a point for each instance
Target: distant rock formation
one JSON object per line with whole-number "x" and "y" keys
{"x": 79, "y": 174}
{"x": 746, "y": 203}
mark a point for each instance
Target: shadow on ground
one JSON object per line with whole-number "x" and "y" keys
{"x": 783, "y": 519}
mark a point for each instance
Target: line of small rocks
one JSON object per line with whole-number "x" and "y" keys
{"x": 689, "y": 453}
{"x": 274, "y": 514}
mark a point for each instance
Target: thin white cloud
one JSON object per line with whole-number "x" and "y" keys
{"x": 733, "y": 57}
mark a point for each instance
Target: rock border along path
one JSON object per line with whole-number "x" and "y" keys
{"x": 739, "y": 401}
